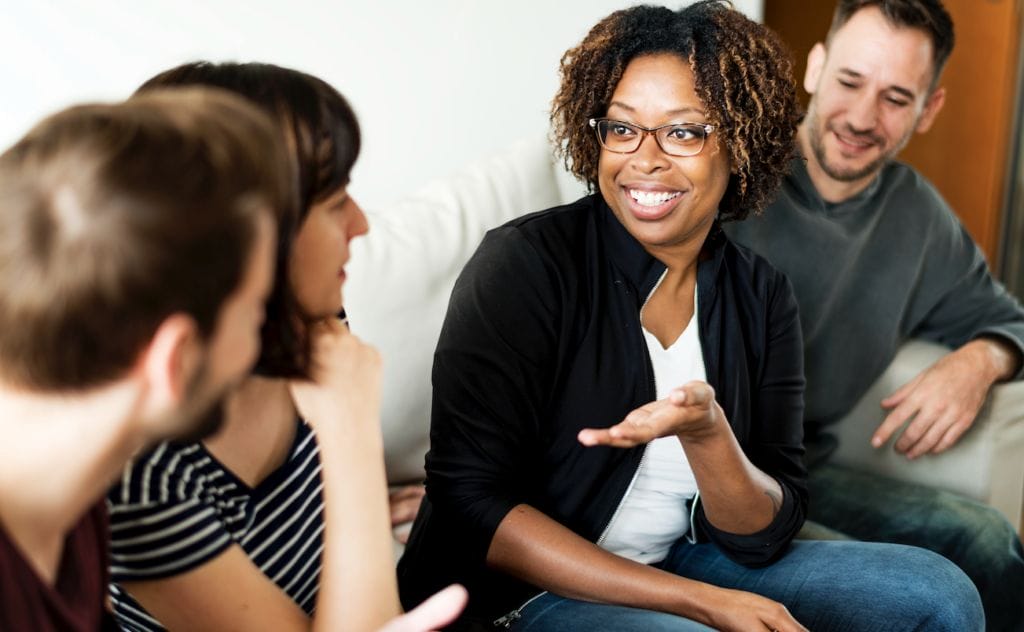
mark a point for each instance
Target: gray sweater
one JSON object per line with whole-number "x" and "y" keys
{"x": 889, "y": 264}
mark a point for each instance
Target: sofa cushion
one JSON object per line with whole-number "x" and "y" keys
{"x": 402, "y": 272}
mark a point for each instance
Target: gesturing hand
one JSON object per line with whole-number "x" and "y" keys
{"x": 689, "y": 412}
{"x": 433, "y": 614}
{"x": 941, "y": 403}
{"x": 345, "y": 383}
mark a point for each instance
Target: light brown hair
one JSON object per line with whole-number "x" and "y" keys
{"x": 114, "y": 217}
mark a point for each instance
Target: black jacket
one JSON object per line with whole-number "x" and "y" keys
{"x": 543, "y": 338}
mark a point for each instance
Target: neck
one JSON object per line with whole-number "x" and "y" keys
{"x": 258, "y": 429}
{"x": 682, "y": 256}
{"x": 830, "y": 189}
{"x": 58, "y": 455}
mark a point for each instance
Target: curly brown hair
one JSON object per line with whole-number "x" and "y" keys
{"x": 743, "y": 74}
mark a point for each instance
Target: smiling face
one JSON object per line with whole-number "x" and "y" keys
{"x": 871, "y": 92}
{"x": 321, "y": 250}
{"x": 666, "y": 202}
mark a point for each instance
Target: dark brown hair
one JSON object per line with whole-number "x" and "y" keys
{"x": 743, "y": 75}
{"x": 114, "y": 217}
{"x": 927, "y": 15}
{"x": 322, "y": 134}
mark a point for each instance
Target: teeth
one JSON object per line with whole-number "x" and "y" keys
{"x": 651, "y": 198}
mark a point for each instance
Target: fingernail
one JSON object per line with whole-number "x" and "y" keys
{"x": 876, "y": 442}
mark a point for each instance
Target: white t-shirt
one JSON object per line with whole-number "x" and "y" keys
{"x": 653, "y": 513}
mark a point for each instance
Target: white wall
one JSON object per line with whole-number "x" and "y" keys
{"x": 436, "y": 83}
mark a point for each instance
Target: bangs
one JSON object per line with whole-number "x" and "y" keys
{"x": 327, "y": 148}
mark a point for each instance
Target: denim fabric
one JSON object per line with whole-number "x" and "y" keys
{"x": 976, "y": 537}
{"x": 552, "y": 613}
{"x": 827, "y": 586}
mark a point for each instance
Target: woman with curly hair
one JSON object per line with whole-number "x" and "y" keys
{"x": 616, "y": 430}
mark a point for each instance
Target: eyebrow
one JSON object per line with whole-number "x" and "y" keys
{"x": 853, "y": 74}
{"x": 684, "y": 110}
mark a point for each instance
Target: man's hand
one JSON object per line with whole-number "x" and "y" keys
{"x": 433, "y": 614}
{"x": 943, "y": 401}
{"x": 689, "y": 412}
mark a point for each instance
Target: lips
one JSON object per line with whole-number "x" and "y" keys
{"x": 651, "y": 204}
{"x": 855, "y": 143}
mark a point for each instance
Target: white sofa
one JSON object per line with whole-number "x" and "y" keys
{"x": 402, "y": 272}
{"x": 986, "y": 464}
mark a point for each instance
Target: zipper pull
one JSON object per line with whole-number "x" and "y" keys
{"x": 507, "y": 620}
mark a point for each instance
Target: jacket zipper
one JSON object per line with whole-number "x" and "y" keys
{"x": 654, "y": 389}
{"x": 510, "y": 618}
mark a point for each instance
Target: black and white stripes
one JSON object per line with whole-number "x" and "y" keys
{"x": 177, "y": 507}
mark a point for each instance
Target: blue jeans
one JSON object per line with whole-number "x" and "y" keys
{"x": 840, "y": 586}
{"x": 976, "y": 537}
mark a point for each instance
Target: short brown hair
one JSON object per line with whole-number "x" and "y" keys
{"x": 114, "y": 217}
{"x": 927, "y": 15}
{"x": 322, "y": 134}
{"x": 743, "y": 75}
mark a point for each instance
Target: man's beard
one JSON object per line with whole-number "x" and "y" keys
{"x": 206, "y": 424}
{"x": 205, "y": 412}
{"x": 850, "y": 174}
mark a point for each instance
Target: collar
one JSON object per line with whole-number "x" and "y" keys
{"x": 804, "y": 190}
{"x": 642, "y": 269}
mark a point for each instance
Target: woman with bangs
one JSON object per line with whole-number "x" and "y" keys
{"x": 275, "y": 517}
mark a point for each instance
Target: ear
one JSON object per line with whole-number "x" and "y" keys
{"x": 815, "y": 64}
{"x": 931, "y": 110}
{"x": 169, "y": 361}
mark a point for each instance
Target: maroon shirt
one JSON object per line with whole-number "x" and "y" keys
{"x": 76, "y": 601}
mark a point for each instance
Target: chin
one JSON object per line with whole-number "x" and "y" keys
{"x": 205, "y": 425}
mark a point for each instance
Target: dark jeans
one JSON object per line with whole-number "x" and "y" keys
{"x": 827, "y": 586}
{"x": 976, "y": 537}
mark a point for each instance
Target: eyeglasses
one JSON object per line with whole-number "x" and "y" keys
{"x": 675, "y": 139}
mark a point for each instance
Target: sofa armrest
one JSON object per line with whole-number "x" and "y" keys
{"x": 401, "y": 275}
{"x": 987, "y": 464}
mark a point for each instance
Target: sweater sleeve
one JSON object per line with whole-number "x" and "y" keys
{"x": 775, "y": 434}
{"x": 960, "y": 300}
{"x": 492, "y": 373}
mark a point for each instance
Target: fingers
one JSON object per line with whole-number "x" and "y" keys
{"x": 693, "y": 394}
{"x": 892, "y": 422}
{"x": 901, "y": 393}
{"x": 952, "y": 435}
{"x": 924, "y": 433}
{"x": 401, "y": 535}
{"x": 780, "y": 620}
{"x": 623, "y": 435}
{"x": 939, "y": 437}
{"x": 408, "y": 491}
{"x": 405, "y": 503}
{"x": 684, "y": 406}
{"x": 434, "y": 613}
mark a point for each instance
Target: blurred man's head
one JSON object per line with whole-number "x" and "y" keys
{"x": 137, "y": 242}
{"x": 874, "y": 82}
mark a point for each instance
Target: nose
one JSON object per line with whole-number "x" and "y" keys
{"x": 649, "y": 156}
{"x": 862, "y": 114}
{"x": 358, "y": 224}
